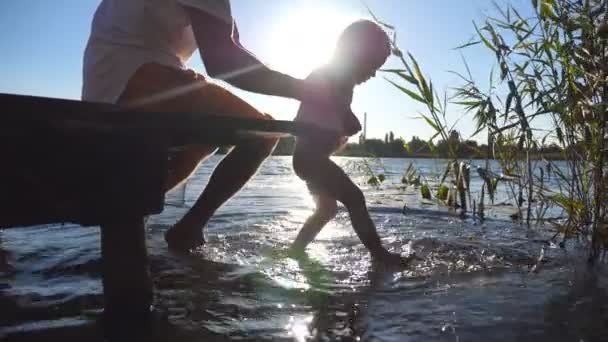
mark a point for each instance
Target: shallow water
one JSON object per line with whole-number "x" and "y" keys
{"x": 472, "y": 281}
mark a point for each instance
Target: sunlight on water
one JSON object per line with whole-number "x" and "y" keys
{"x": 244, "y": 285}
{"x": 286, "y": 273}
{"x": 298, "y": 327}
{"x": 320, "y": 252}
{"x": 296, "y": 186}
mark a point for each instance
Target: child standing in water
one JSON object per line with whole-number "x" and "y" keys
{"x": 361, "y": 50}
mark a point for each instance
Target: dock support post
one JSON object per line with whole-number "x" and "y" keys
{"x": 127, "y": 285}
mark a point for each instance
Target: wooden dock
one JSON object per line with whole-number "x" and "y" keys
{"x": 104, "y": 165}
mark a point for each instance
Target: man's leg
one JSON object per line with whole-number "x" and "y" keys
{"x": 183, "y": 163}
{"x": 231, "y": 174}
{"x": 189, "y": 92}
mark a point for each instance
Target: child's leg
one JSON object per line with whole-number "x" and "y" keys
{"x": 325, "y": 211}
{"x": 324, "y": 174}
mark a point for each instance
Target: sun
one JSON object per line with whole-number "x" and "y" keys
{"x": 305, "y": 38}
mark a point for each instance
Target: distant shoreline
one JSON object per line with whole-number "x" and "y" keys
{"x": 376, "y": 148}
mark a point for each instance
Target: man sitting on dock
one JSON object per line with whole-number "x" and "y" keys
{"x": 136, "y": 56}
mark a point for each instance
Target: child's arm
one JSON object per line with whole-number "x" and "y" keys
{"x": 351, "y": 126}
{"x": 351, "y": 123}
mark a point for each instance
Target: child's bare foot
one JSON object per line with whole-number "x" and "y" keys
{"x": 296, "y": 251}
{"x": 393, "y": 259}
{"x": 184, "y": 238}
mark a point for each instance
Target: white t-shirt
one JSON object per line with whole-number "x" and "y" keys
{"x": 126, "y": 34}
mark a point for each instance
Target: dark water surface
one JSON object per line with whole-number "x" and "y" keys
{"x": 473, "y": 281}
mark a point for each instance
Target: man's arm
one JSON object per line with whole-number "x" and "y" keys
{"x": 226, "y": 59}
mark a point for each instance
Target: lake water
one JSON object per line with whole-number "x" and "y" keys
{"x": 473, "y": 282}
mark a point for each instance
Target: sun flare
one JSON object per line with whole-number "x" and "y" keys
{"x": 305, "y": 39}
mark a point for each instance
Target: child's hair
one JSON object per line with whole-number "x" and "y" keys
{"x": 363, "y": 38}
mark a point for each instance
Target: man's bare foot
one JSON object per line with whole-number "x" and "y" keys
{"x": 184, "y": 239}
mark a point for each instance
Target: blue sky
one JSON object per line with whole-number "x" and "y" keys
{"x": 42, "y": 44}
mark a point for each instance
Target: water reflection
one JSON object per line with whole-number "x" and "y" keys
{"x": 472, "y": 283}
{"x": 580, "y": 310}
{"x": 5, "y": 266}
{"x": 299, "y": 327}
{"x": 325, "y": 318}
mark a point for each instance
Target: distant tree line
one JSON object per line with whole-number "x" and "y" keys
{"x": 392, "y": 147}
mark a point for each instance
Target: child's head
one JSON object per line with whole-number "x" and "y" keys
{"x": 362, "y": 48}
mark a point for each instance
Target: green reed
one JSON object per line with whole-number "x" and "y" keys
{"x": 550, "y": 88}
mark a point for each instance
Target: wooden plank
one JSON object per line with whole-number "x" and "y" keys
{"x": 186, "y": 128}
{"x": 80, "y": 176}
{"x": 87, "y": 163}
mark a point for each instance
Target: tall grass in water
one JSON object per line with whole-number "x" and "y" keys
{"x": 552, "y": 71}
